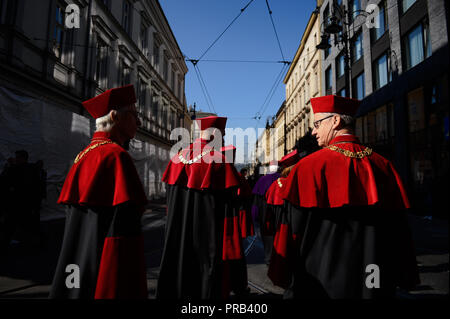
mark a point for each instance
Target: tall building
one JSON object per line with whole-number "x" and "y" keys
{"x": 54, "y": 54}
{"x": 399, "y": 69}
{"x": 280, "y": 131}
{"x": 303, "y": 81}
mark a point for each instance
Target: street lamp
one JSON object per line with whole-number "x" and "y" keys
{"x": 323, "y": 45}
{"x": 339, "y": 24}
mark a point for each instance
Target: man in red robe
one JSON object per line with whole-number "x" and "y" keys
{"x": 102, "y": 254}
{"x": 202, "y": 239}
{"x": 347, "y": 207}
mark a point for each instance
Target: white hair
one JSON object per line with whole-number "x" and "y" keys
{"x": 349, "y": 121}
{"x": 104, "y": 123}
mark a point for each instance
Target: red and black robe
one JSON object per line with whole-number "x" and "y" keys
{"x": 281, "y": 261}
{"x": 203, "y": 247}
{"x": 347, "y": 207}
{"x": 102, "y": 237}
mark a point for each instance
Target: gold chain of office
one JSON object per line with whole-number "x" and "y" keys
{"x": 361, "y": 154}
{"x": 90, "y": 148}
{"x": 279, "y": 183}
{"x": 195, "y": 159}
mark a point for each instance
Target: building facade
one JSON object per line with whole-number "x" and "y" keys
{"x": 54, "y": 55}
{"x": 400, "y": 72}
{"x": 280, "y": 132}
{"x": 303, "y": 81}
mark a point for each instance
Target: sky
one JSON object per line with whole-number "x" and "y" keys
{"x": 237, "y": 90}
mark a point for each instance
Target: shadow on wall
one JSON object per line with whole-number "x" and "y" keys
{"x": 49, "y": 133}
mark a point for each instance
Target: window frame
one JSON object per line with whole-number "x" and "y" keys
{"x": 373, "y": 31}
{"x": 376, "y": 73}
{"x": 426, "y": 44}
{"x": 355, "y": 86}
{"x": 328, "y": 78}
{"x": 340, "y": 64}
{"x": 127, "y": 18}
{"x": 59, "y": 26}
{"x": 101, "y": 63}
{"x": 402, "y": 8}
{"x": 358, "y": 35}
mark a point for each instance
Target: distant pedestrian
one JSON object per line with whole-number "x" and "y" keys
{"x": 19, "y": 181}
{"x": 261, "y": 216}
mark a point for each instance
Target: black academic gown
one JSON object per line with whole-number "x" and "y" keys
{"x": 106, "y": 245}
{"x": 203, "y": 247}
{"x": 337, "y": 245}
{"x": 102, "y": 253}
{"x": 346, "y": 207}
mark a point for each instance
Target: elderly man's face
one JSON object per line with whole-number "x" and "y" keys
{"x": 323, "y": 128}
{"x": 128, "y": 121}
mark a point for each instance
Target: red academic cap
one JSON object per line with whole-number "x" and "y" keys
{"x": 290, "y": 159}
{"x": 227, "y": 150}
{"x": 112, "y": 99}
{"x": 335, "y": 104}
{"x": 205, "y": 123}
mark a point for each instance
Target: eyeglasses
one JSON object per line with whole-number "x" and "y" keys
{"x": 317, "y": 123}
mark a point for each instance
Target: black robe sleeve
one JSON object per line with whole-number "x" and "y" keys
{"x": 193, "y": 261}
{"x": 335, "y": 245}
{"x": 106, "y": 245}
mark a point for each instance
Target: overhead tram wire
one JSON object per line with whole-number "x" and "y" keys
{"x": 272, "y": 90}
{"x": 203, "y": 90}
{"x": 206, "y": 89}
{"x": 217, "y": 39}
{"x": 242, "y": 61}
{"x": 205, "y": 95}
{"x": 271, "y": 94}
{"x": 274, "y": 29}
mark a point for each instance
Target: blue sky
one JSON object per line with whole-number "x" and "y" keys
{"x": 237, "y": 90}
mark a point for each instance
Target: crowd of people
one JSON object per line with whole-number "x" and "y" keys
{"x": 331, "y": 214}
{"x": 23, "y": 186}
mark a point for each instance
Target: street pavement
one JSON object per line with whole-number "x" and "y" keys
{"x": 26, "y": 272}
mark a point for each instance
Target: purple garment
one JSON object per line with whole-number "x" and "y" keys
{"x": 263, "y": 184}
{"x": 260, "y": 188}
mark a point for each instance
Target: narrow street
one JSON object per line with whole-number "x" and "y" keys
{"x": 26, "y": 273}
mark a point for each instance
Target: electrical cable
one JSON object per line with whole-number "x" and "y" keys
{"x": 274, "y": 29}
{"x": 217, "y": 39}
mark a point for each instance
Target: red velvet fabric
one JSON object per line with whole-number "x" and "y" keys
{"x": 118, "y": 276}
{"x": 104, "y": 176}
{"x": 328, "y": 178}
{"x": 289, "y": 159}
{"x": 111, "y": 99}
{"x": 201, "y": 174}
{"x": 218, "y": 122}
{"x": 335, "y": 104}
{"x": 232, "y": 244}
{"x": 246, "y": 224}
{"x": 274, "y": 193}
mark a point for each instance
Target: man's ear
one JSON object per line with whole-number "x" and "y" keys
{"x": 337, "y": 121}
{"x": 114, "y": 115}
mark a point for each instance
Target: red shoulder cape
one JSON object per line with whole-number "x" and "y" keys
{"x": 104, "y": 176}
{"x": 200, "y": 174}
{"x": 328, "y": 178}
{"x": 274, "y": 193}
